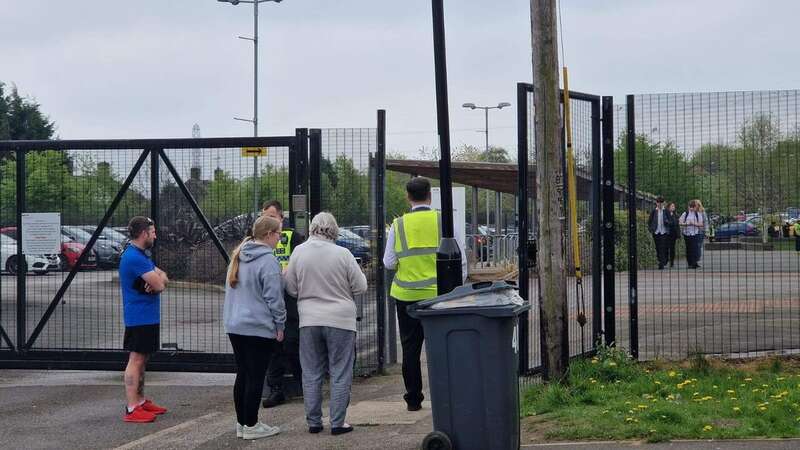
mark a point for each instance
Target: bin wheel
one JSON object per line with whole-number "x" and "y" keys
{"x": 437, "y": 440}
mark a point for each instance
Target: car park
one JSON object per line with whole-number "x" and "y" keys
{"x": 107, "y": 252}
{"x": 38, "y": 264}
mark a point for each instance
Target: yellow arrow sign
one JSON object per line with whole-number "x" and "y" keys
{"x": 253, "y": 151}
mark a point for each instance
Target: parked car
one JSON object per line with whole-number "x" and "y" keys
{"x": 361, "y": 230}
{"x": 357, "y": 245}
{"x": 726, "y": 231}
{"x": 108, "y": 233}
{"x": 70, "y": 251}
{"x": 38, "y": 264}
{"x": 107, "y": 252}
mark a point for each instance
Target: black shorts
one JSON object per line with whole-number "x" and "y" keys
{"x": 142, "y": 339}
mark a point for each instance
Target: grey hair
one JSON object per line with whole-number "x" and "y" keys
{"x": 324, "y": 225}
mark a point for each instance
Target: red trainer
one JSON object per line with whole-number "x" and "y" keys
{"x": 139, "y": 415}
{"x": 149, "y": 406}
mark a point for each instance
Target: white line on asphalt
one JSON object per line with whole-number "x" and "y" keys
{"x": 187, "y": 440}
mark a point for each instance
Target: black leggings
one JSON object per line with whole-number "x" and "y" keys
{"x": 252, "y": 354}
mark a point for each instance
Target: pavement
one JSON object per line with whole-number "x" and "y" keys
{"x": 83, "y": 409}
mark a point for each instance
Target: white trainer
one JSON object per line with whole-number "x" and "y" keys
{"x": 258, "y": 431}
{"x": 239, "y": 429}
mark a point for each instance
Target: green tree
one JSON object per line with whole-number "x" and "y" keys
{"x": 21, "y": 118}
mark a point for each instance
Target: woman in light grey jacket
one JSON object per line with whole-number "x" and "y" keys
{"x": 325, "y": 278}
{"x": 254, "y": 315}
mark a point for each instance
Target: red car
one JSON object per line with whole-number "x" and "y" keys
{"x": 70, "y": 251}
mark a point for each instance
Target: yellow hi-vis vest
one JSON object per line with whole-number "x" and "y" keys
{"x": 416, "y": 239}
{"x": 284, "y": 248}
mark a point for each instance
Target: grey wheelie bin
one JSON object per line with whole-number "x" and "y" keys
{"x": 472, "y": 348}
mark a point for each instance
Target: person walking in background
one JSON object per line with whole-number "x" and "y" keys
{"x": 325, "y": 278}
{"x": 659, "y": 226}
{"x": 797, "y": 236}
{"x": 674, "y": 233}
{"x": 705, "y": 230}
{"x": 411, "y": 249}
{"x": 287, "y": 356}
{"x": 254, "y": 316}
{"x": 691, "y": 223}
{"x": 141, "y": 283}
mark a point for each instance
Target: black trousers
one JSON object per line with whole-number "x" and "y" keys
{"x": 411, "y": 339}
{"x": 693, "y": 246}
{"x": 797, "y": 243}
{"x": 251, "y": 354}
{"x": 662, "y": 248}
{"x": 286, "y": 357}
{"x": 671, "y": 250}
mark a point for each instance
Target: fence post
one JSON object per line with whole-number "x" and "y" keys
{"x": 609, "y": 295}
{"x": 315, "y": 171}
{"x": 380, "y": 235}
{"x": 597, "y": 260}
{"x": 632, "y": 249}
{"x": 155, "y": 193}
{"x": 298, "y": 176}
{"x": 22, "y": 262}
{"x": 522, "y": 249}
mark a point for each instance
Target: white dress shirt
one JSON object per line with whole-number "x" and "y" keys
{"x": 390, "y": 257}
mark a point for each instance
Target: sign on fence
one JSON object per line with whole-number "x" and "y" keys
{"x": 41, "y": 233}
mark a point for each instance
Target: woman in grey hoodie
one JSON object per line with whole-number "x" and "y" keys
{"x": 254, "y": 317}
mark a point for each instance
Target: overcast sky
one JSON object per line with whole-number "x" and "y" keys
{"x": 153, "y": 68}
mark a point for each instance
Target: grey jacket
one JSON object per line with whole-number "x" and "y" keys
{"x": 255, "y": 306}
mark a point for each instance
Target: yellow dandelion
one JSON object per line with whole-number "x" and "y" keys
{"x": 748, "y": 379}
{"x": 764, "y": 385}
{"x": 612, "y": 363}
{"x": 730, "y": 391}
{"x": 627, "y": 403}
{"x": 756, "y": 390}
{"x": 734, "y": 398}
{"x": 658, "y": 383}
{"x": 629, "y": 419}
{"x": 708, "y": 397}
{"x": 781, "y": 378}
{"x": 594, "y": 381}
{"x": 672, "y": 374}
{"x": 737, "y": 409}
{"x": 695, "y": 394}
{"x": 762, "y": 408}
{"x": 707, "y": 428}
{"x": 642, "y": 406}
{"x": 715, "y": 386}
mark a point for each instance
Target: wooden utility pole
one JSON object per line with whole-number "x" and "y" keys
{"x": 549, "y": 188}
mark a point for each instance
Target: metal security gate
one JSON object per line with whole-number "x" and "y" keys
{"x": 586, "y": 126}
{"x": 71, "y": 317}
{"x": 739, "y": 154}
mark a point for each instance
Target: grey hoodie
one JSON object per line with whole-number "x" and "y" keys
{"x": 255, "y": 307}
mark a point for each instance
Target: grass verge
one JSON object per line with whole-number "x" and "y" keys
{"x": 611, "y": 397}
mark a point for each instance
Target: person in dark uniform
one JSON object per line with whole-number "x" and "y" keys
{"x": 288, "y": 356}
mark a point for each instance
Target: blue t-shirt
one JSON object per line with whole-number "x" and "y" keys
{"x": 138, "y": 308}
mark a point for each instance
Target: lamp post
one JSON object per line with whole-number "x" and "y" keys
{"x": 486, "y": 109}
{"x": 254, "y": 120}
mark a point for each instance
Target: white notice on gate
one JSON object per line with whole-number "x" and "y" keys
{"x": 41, "y": 233}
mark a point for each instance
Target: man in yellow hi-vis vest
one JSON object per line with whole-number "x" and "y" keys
{"x": 411, "y": 249}
{"x": 288, "y": 355}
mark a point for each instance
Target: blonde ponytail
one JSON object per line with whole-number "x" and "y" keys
{"x": 261, "y": 228}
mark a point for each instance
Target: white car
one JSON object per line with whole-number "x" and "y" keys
{"x": 38, "y": 264}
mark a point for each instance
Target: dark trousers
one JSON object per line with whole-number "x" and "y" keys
{"x": 662, "y": 248}
{"x": 251, "y": 354}
{"x": 411, "y": 338}
{"x": 671, "y": 250}
{"x": 797, "y": 243}
{"x": 693, "y": 246}
{"x": 286, "y": 357}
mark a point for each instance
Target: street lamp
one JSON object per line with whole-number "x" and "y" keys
{"x": 486, "y": 111}
{"x": 254, "y": 120}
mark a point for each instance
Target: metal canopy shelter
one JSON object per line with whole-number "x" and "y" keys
{"x": 502, "y": 177}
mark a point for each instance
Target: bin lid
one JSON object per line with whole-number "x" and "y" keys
{"x": 490, "y": 298}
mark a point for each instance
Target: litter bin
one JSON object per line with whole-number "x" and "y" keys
{"x": 472, "y": 348}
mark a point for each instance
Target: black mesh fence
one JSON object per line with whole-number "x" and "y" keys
{"x": 347, "y": 186}
{"x": 584, "y": 111}
{"x": 738, "y": 153}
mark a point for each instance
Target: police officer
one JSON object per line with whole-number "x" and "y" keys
{"x": 411, "y": 249}
{"x": 288, "y": 356}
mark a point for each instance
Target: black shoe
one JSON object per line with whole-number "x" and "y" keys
{"x": 315, "y": 430}
{"x": 660, "y": 267}
{"x": 275, "y": 398}
{"x": 414, "y": 406}
{"x": 341, "y": 430}
{"x": 671, "y": 265}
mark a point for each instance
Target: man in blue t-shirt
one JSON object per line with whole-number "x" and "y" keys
{"x": 141, "y": 283}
